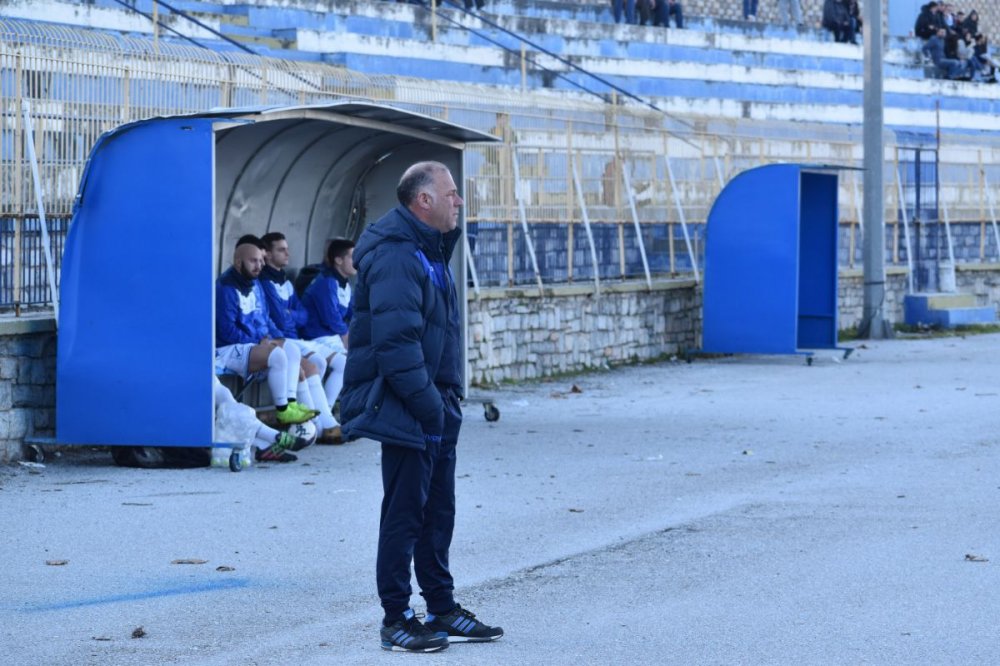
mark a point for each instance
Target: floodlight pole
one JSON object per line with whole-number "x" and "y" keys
{"x": 873, "y": 324}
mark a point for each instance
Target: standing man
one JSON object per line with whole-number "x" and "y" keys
{"x": 791, "y": 12}
{"x": 402, "y": 387}
{"x": 664, "y": 9}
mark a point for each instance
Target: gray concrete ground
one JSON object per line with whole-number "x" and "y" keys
{"x": 742, "y": 510}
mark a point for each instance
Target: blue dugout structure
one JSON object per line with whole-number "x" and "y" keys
{"x": 771, "y": 262}
{"x": 160, "y": 206}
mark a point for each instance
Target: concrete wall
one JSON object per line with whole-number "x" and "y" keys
{"x": 27, "y": 383}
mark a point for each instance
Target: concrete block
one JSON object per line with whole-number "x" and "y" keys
{"x": 25, "y": 346}
{"x": 24, "y": 371}
{"x": 43, "y": 371}
{"x": 6, "y": 395}
{"x": 25, "y": 395}
{"x": 8, "y": 368}
{"x": 44, "y": 419}
{"x": 16, "y": 423}
{"x": 9, "y": 450}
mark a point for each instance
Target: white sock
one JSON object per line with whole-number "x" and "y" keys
{"x": 326, "y": 419}
{"x": 335, "y": 381}
{"x": 303, "y": 395}
{"x": 294, "y": 357}
{"x": 277, "y": 376}
{"x": 265, "y": 437}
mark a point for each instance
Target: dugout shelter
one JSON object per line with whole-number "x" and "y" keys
{"x": 160, "y": 206}
{"x": 771, "y": 263}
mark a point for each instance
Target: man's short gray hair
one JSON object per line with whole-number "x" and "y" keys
{"x": 416, "y": 178}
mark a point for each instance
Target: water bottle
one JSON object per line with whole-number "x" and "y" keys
{"x": 220, "y": 456}
{"x": 246, "y": 456}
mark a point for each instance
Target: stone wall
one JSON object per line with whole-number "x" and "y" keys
{"x": 852, "y": 296}
{"x": 515, "y": 335}
{"x": 27, "y": 384}
{"x": 981, "y": 280}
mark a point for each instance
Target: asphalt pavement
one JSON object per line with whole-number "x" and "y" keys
{"x": 735, "y": 510}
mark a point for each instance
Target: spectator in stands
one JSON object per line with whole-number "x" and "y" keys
{"x": 967, "y": 53}
{"x": 629, "y": 9}
{"x": 964, "y": 48}
{"x": 750, "y": 10}
{"x": 664, "y": 9}
{"x": 928, "y": 21}
{"x": 987, "y": 63}
{"x": 837, "y": 19}
{"x": 644, "y": 11}
{"x": 948, "y": 17}
{"x": 478, "y": 3}
{"x": 854, "y": 9}
{"x": 328, "y": 299}
{"x": 971, "y": 23}
{"x": 790, "y": 12}
{"x": 951, "y": 44}
{"x": 950, "y": 68}
{"x": 246, "y": 341}
{"x": 288, "y": 314}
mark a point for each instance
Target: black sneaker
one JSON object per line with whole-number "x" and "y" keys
{"x": 461, "y": 626}
{"x": 267, "y": 455}
{"x": 278, "y": 452}
{"x": 411, "y": 635}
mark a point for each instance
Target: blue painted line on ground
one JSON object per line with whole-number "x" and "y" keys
{"x": 197, "y": 588}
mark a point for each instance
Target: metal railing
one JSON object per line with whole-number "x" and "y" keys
{"x": 81, "y": 83}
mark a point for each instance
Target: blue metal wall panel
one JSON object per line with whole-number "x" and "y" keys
{"x": 751, "y": 264}
{"x": 136, "y": 323}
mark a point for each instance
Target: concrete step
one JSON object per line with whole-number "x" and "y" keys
{"x": 946, "y": 310}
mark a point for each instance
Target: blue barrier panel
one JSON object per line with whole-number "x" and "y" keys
{"x": 136, "y": 322}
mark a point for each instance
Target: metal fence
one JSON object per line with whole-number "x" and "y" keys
{"x": 578, "y": 188}
{"x": 23, "y": 283}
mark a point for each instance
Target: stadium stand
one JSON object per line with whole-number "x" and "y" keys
{"x": 717, "y": 68}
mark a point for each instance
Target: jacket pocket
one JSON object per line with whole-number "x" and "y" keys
{"x": 384, "y": 418}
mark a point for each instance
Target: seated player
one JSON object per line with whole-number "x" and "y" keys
{"x": 288, "y": 314}
{"x": 245, "y": 340}
{"x": 328, "y": 298}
